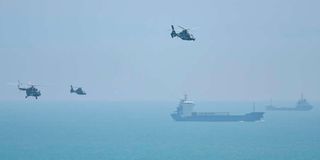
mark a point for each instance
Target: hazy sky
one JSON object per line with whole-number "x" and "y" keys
{"x": 122, "y": 50}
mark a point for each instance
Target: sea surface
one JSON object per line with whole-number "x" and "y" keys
{"x": 37, "y": 130}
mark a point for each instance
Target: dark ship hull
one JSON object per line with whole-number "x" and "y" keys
{"x": 249, "y": 117}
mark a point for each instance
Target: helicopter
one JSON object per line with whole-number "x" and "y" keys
{"x": 78, "y": 91}
{"x": 184, "y": 34}
{"x": 30, "y": 91}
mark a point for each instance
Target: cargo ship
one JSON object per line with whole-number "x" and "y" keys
{"x": 302, "y": 105}
{"x": 185, "y": 112}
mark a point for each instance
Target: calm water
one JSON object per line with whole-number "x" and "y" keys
{"x": 144, "y": 130}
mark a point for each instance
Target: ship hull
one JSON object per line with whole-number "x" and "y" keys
{"x": 288, "y": 109}
{"x": 272, "y": 108}
{"x": 250, "y": 117}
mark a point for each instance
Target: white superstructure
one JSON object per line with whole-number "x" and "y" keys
{"x": 185, "y": 107}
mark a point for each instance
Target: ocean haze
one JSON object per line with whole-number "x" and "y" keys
{"x": 122, "y": 50}
{"x": 145, "y": 130}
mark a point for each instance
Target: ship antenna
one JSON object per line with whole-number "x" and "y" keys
{"x": 185, "y": 97}
{"x": 254, "y": 107}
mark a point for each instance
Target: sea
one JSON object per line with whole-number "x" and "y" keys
{"x": 38, "y": 130}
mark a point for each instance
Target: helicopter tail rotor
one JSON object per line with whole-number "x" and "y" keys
{"x": 173, "y": 33}
{"x": 19, "y": 84}
{"x": 71, "y": 90}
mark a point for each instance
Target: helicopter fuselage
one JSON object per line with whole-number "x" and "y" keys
{"x": 31, "y": 91}
{"x": 184, "y": 34}
{"x": 78, "y": 91}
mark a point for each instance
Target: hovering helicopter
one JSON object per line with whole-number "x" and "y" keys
{"x": 184, "y": 34}
{"x": 30, "y": 91}
{"x": 78, "y": 91}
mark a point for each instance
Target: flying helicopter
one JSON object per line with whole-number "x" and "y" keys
{"x": 78, "y": 91}
{"x": 30, "y": 91}
{"x": 184, "y": 34}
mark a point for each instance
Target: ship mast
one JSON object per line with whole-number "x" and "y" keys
{"x": 185, "y": 97}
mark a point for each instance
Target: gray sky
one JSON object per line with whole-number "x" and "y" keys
{"x": 122, "y": 50}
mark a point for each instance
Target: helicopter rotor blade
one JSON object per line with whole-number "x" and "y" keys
{"x": 43, "y": 85}
{"x": 194, "y": 28}
{"x": 75, "y": 86}
{"x": 12, "y": 84}
{"x": 182, "y": 28}
{"x": 36, "y": 85}
{"x": 19, "y": 84}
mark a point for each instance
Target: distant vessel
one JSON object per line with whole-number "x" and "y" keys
{"x": 302, "y": 105}
{"x": 270, "y": 106}
{"x": 185, "y": 112}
